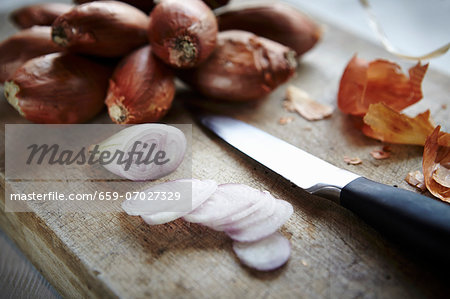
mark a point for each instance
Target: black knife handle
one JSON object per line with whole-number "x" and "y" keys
{"x": 411, "y": 219}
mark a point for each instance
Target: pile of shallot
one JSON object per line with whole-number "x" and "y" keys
{"x": 69, "y": 61}
{"x": 248, "y": 216}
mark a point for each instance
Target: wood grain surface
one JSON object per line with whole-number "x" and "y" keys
{"x": 334, "y": 254}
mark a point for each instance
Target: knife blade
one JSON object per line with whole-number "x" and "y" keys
{"x": 301, "y": 168}
{"x": 407, "y": 217}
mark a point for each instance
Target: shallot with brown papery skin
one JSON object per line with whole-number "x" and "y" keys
{"x": 279, "y": 22}
{"x": 141, "y": 89}
{"x": 101, "y": 28}
{"x": 22, "y": 46}
{"x": 144, "y": 5}
{"x": 248, "y": 216}
{"x": 243, "y": 67}
{"x": 147, "y": 5}
{"x": 43, "y": 14}
{"x": 182, "y": 33}
{"x": 58, "y": 88}
{"x": 216, "y": 3}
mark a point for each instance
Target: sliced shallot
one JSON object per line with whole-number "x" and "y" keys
{"x": 189, "y": 189}
{"x": 244, "y": 213}
{"x": 222, "y": 224}
{"x": 201, "y": 191}
{"x": 260, "y": 201}
{"x": 162, "y": 149}
{"x": 266, "y": 254}
{"x": 229, "y": 199}
{"x": 265, "y": 209}
{"x": 256, "y": 230}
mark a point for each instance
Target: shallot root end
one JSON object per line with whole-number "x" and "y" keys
{"x": 11, "y": 91}
{"x": 184, "y": 51}
{"x": 118, "y": 113}
{"x": 59, "y": 36}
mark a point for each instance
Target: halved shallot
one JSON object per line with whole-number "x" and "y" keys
{"x": 266, "y": 254}
{"x": 151, "y": 151}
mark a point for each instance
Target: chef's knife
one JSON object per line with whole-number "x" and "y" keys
{"x": 412, "y": 219}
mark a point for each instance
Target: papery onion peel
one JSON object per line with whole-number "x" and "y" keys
{"x": 436, "y": 164}
{"x": 416, "y": 179}
{"x": 297, "y": 100}
{"x": 364, "y": 83}
{"x": 386, "y": 124}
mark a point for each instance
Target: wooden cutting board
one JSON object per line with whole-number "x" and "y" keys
{"x": 334, "y": 254}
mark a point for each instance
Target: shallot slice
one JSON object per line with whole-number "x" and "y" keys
{"x": 263, "y": 209}
{"x": 266, "y": 254}
{"x": 199, "y": 191}
{"x": 262, "y": 228}
{"x": 161, "y": 148}
{"x": 228, "y": 200}
{"x": 223, "y": 223}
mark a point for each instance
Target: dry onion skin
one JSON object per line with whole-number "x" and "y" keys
{"x": 416, "y": 179}
{"x": 285, "y": 120}
{"x": 385, "y": 124}
{"x": 380, "y": 154}
{"x": 436, "y": 164}
{"x": 299, "y": 101}
{"x": 364, "y": 83}
{"x": 352, "y": 160}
